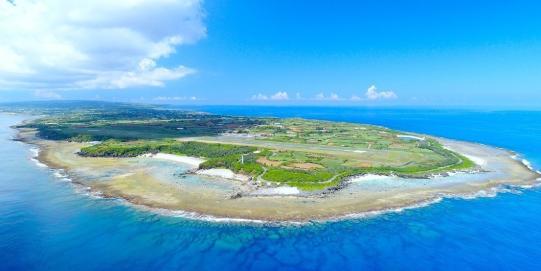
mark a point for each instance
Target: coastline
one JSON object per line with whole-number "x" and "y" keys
{"x": 193, "y": 162}
{"x": 290, "y": 208}
{"x": 223, "y": 173}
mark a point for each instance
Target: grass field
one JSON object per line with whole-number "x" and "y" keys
{"x": 307, "y": 154}
{"x": 305, "y": 170}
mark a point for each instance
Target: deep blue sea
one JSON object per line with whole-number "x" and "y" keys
{"x": 49, "y": 224}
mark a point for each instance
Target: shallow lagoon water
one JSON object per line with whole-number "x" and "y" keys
{"x": 48, "y": 224}
{"x": 174, "y": 172}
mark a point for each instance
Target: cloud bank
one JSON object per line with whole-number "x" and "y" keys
{"x": 331, "y": 97}
{"x": 174, "y": 98}
{"x": 278, "y": 96}
{"x": 61, "y": 44}
{"x": 373, "y": 94}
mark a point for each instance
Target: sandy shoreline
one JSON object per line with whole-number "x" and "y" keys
{"x": 223, "y": 173}
{"x": 191, "y": 161}
{"x": 194, "y": 163}
{"x": 146, "y": 186}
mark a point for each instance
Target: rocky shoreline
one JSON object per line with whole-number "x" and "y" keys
{"x": 222, "y": 198}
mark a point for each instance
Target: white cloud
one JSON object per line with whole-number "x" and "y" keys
{"x": 355, "y": 98}
{"x": 320, "y": 96}
{"x": 154, "y": 76}
{"x": 373, "y": 94}
{"x": 260, "y": 97}
{"x": 278, "y": 96}
{"x": 175, "y": 98}
{"x": 332, "y": 97}
{"x": 47, "y": 95}
{"x": 61, "y": 44}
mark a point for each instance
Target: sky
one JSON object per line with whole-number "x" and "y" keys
{"x": 279, "y": 52}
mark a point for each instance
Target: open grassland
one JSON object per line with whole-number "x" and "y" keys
{"x": 307, "y": 154}
{"x": 305, "y": 170}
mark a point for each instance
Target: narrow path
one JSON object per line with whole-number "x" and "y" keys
{"x": 259, "y": 178}
{"x": 331, "y": 179}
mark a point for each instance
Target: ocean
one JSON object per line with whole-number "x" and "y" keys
{"x": 47, "y": 223}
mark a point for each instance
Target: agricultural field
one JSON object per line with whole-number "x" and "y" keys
{"x": 307, "y": 154}
{"x": 329, "y": 133}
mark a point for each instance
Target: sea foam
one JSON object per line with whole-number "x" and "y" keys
{"x": 60, "y": 174}
{"x": 34, "y": 157}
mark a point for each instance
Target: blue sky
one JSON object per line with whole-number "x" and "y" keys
{"x": 430, "y": 53}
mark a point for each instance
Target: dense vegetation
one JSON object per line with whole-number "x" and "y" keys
{"x": 217, "y": 155}
{"x": 98, "y": 121}
{"x": 245, "y": 159}
{"x": 183, "y": 125}
{"x": 114, "y": 148}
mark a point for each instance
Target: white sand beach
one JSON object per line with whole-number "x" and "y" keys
{"x": 368, "y": 177}
{"x": 477, "y": 160}
{"x": 223, "y": 173}
{"x": 281, "y": 190}
{"x": 411, "y": 137}
{"x": 192, "y": 161}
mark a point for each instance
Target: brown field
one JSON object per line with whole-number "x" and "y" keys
{"x": 266, "y": 162}
{"x": 306, "y": 166}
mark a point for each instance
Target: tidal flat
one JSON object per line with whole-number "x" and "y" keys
{"x": 165, "y": 185}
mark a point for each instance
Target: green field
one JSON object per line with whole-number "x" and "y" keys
{"x": 308, "y": 154}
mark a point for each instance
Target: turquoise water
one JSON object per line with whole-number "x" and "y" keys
{"x": 49, "y": 224}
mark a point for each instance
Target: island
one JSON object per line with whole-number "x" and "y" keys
{"x": 260, "y": 168}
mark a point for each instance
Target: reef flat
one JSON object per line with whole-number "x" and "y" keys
{"x": 265, "y": 168}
